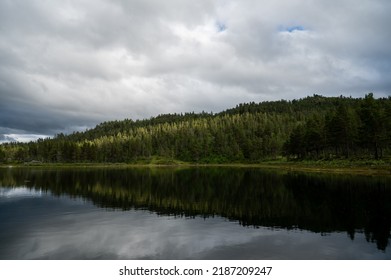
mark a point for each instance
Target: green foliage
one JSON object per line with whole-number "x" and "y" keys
{"x": 353, "y": 128}
{"x": 315, "y": 127}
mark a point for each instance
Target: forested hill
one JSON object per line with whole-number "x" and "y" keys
{"x": 299, "y": 109}
{"x": 313, "y": 127}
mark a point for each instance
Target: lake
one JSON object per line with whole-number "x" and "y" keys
{"x": 192, "y": 213}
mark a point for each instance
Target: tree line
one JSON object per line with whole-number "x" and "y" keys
{"x": 358, "y": 130}
{"x": 313, "y": 127}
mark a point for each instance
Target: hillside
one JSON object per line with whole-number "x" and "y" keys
{"x": 313, "y": 127}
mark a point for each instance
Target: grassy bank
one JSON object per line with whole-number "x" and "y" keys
{"x": 364, "y": 167}
{"x": 335, "y": 166}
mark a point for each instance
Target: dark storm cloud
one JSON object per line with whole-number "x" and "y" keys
{"x": 72, "y": 64}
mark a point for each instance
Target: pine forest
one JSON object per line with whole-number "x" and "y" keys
{"x": 313, "y": 128}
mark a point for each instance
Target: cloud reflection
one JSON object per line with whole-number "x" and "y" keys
{"x": 75, "y": 230}
{"x": 20, "y": 192}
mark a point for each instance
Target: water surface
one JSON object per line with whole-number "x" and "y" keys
{"x": 193, "y": 213}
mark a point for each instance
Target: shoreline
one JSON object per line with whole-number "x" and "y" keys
{"x": 336, "y": 167}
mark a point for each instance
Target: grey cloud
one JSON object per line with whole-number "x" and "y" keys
{"x": 74, "y": 64}
{"x": 6, "y": 138}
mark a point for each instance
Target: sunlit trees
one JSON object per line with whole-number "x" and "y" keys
{"x": 314, "y": 127}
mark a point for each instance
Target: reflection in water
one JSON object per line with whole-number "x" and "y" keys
{"x": 318, "y": 211}
{"x": 16, "y": 193}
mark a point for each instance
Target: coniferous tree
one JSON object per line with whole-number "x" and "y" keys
{"x": 372, "y": 130}
{"x": 313, "y": 127}
{"x": 343, "y": 130}
{"x": 315, "y": 137}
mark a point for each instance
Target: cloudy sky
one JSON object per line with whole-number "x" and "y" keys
{"x": 69, "y": 65}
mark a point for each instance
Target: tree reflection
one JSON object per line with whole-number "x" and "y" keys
{"x": 319, "y": 203}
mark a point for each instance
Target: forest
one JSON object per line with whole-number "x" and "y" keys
{"x": 311, "y": 128}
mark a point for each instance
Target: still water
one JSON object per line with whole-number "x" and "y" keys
{"x": 192, "y": 213}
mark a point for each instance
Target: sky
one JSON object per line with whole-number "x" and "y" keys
{"x": 69, "y": 65}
